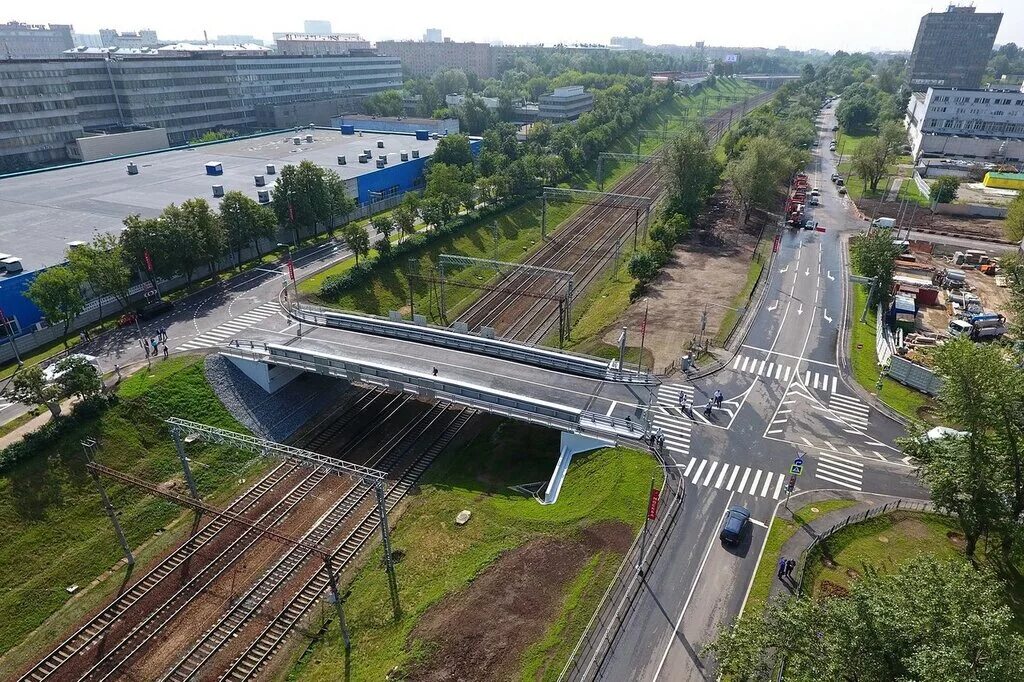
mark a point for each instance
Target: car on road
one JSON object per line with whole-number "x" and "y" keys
{"x": 814, "y": 201}
{"x": 835, "y": 128}
{"x": 840, "y": 181}
{"x": 842, "y": 190}
{"x": 736, "y": 520}
{"x": 835, "y": 176}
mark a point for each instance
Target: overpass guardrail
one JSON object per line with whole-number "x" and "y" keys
{"x": 544, "y": 358}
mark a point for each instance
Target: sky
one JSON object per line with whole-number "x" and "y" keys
{"x": 876, "y": 24}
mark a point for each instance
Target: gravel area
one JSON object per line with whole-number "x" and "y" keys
{"x": 275, "y": 417}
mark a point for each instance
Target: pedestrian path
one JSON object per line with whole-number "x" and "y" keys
{"x": 743, "y": 480}
{"x": 222, "y": 332}
{"x": 840, "y": 471}
{"x": 782, "y": 371}
{"x": 851, "y": 410}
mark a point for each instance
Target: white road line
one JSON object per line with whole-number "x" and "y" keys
{"x": 721, "y": 475}
{"x": 855, "y": 451}
{"x": 807, "y": 377}
{"x": 778, "y": 486}
{"x": 778, "y": 369}
{"x": 832, "y": 447}
{"x": 611, "y": 407}
{"x": 780, "y": 421}
{"x": 785, "y": 376}
{"x": 763, "y": 363}
{"x": 686, "y": 474}
{"x": 746, "y": 360}
{"x": 837, "y": 482}
{"x": 732, "y": 479}
{"x": 834, "y": 381}
{"x": 711, "y": 472}
{"x": 809, "y": 443}
{"x": 815, "y": 380}
{"x": 736, "y": 362}
{"x": 762, "y": 524}
{"x": 767, "y": 484}
{"x": 696, "y": 474}
{"x": 847, "y": 399}
{"x": 753, "y": 484}
{"x": 775, "y": 431}
{"x": 835, "y": 458}
{"x": 743, "y": 481}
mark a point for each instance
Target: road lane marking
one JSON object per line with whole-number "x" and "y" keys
{"x": 767, "y": 484}
{"x": 700, "y": 468}
{"x": 762, "y": 524}
{"x": 689, "y": 466}
{"x": 753, "y": 485}
{"x": 778, "y": 487}
{"x": 711, "y": 472}
{"x": 721, "y": 475}
{"x": 736, "y": 470}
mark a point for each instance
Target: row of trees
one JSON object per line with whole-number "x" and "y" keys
{"x": 185, "y": 237}
{"x": 873, "y": 156}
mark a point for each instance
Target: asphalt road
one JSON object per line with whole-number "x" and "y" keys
{"x": 784, "y": 397}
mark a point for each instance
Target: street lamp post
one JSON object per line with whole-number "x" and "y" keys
{"x": 9, "y": 328}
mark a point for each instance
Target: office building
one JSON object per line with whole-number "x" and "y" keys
{"x": 49, "y": 104}
{"x": 432, "y": 35}
{"x": 427, "y": 58}
{"x": 313, "y": 44}
{"x": 628, "y": 43}
{"x": 30, "y": 41}
{"x": 952, "y": 48}
{"x": 135, "y": 39}
{"x": 237, "y": 39}
{"x": 317, "y": 27}
{"x": 41, "y": 213}
{"x": 565, "y": 104}
{"x": 88, "y": 40}
{"x": 976, "y": 124}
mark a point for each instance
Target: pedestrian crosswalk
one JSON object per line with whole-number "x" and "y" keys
{"x": 743, "y": 480}
{"x": 850, "y": 410}
{"x": 4, "y": 406}
{"x": 840, "y": 471}
{"x": 782, "y": 371}
{"x": 222, "y": 332}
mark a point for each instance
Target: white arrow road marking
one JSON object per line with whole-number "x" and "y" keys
{"x": 785, "y": 269}
{"x": 827, "y": 318}
{"x": 807, "y": 272}
{"x": 830, "y": 276}
{"x": 773, "y": 306}
{"x": 908, "y": 461}
{"x": 800, "y": 310}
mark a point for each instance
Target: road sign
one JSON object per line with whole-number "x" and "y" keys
{"x": 652, "y": 504}
{"x": 799, "y": 461}
{"x": 791, "y": 484}
{"x": 796, "y": 469}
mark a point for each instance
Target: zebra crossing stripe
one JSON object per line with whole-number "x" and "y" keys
{"x": 778, "y": 487}
{"x": 736, "y": 362}
{"x": 711, "y": 472}
{"x": 696, "y": 475}
{"x": 757, "y": 479}
{"x": 767, "y": 484}
{"x": 834, "y": 381}
{"x": 721, "y": 475}
{"x": 786, "y": 374}
{"x": 686, "y": 474}
{"x": 743, "y": 481}
{"x": 778, "y": 368}
{"x": 735, "y": 470}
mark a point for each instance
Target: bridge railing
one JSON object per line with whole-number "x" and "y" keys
{"x": 561, "y": 361}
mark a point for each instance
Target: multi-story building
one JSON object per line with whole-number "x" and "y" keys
{"x": 432, "y": 35}
{"x": 29, "y": 41}
{"x": 962, "y": 123}
{"x": 565, "y": 104}
{"x": 313, "y": 44}
{"x": 46, "y": 104}
{"x": 145, "y": 38}
{"x": 317, "y": 27}
{"x": 427, "y": 58}
{"x": 237, "y": 39}
{"x": 628, "y": 43}
{"x": 952, "y": 48}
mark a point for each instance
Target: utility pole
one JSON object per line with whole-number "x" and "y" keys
{"x": 385, "y": 533}
{"x": 336, "y": 598}
{"x": 413, "y": 263}
{"x": 89, "y": 445}
{"x": 622, "y": 350}
{"x": 643, "y": 336}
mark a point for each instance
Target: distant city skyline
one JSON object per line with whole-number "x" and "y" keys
{"x": 877, "y": 25}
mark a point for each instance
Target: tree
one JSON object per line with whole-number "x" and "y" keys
{"x": 930, "y": 620}
{"x": 451, "y": 82}
{"x": 758, "y": 174}
{"x": 357, "y": 237}
{"x": 245, "y": 222}
{"x": 642, "y": 266}
{"x": 858, "y": 108}
{"x": 944, "y": 189}
{"x": 195, "y": 236}
{"x": 871, "y": 161}
{"x": 299, "y": 196}
{"x": 1013, "y": 225}
{"x": 434, "y": 211}
{"x": 70, "y": 376}
{"x": 448, "y": 186}
{"x": 383, "y": 226}
{"x": 337, "y": 203}
{"x": 893, "y": 136}
{"x": 453, "y": 150}
{"x": 102, "y": 263}
{"x": 692, "y": 172}
{"x": 57, "y": 291}
{"x": 874, "y": 255}
{"x": 405, "y": 218}
{"x": 387, "y": 103}
{"x": 383, "y": 247}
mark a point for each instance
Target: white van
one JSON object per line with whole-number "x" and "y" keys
{"x": 887, "y": 223}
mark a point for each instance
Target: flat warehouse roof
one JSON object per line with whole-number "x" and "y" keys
{"x": 41, "y": 212}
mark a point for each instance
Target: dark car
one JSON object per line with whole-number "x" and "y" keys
{"x": 736, "y": 520}
{"x": 154, "y": 309}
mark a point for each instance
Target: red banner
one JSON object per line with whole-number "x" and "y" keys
{"x": 775, "y": 246}
{"x": 291, "y": 270}
{"x": 652, "y": 504}
{"x": 149, "y": 260}
{"x": 819, "y": 229}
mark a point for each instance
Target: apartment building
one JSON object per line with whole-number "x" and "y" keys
{"x": 952, "y": 48}
{"x": 427, "y": 58}
{"x": 31, "y": 41}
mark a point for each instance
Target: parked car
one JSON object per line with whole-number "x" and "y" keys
{"x": 834, "y": 176}
{"x": 814, "y": 201}
{"x": 842, "y": 190}
{"x": 736, "y": 520}
{"x": 155, "y": 309}
{"x": 840, "y": 181}
{"x": 835, "y": 128}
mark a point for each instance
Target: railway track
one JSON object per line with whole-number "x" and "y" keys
{"x": 94, "y": 632}
{"x": 594, "y": 235}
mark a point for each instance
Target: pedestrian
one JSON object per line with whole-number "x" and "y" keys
{"x": 782, "y": 567}
{"x": 629, "y": 423}
{"x": 718, "y": 398}
{"x": 661, "y": 439}
{"x": 165, "y": 351}
{"x": 145, "y": 347}
{"x": 707, "y": 408}
{"x": 435, "y": 371}
{"x": 117, "y": 371}
{"x": 790, "y": 565}
{"x": 653, "y": 438}
{"x": 82, "y": 336}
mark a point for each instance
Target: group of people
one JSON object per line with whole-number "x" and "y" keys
{"x": 715, "y": 401}
{"x": 786, "y": 567}
{"x": 155, "y": 343}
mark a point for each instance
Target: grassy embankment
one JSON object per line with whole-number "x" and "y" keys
{"x": 847, "y": 145}
{"x": 517, "y": 229}
{"x": 54, "y": 528}
{"x": 441, "y": 559}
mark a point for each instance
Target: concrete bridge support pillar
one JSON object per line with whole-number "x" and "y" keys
{"x": 571, "y": 444}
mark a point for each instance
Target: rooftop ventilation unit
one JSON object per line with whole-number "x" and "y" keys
{"x": 341, "y": 160}
{"x": 415, "y": 153}
{"x": 296, "y": 140}
{"x": 309, "y": 139}
{"x": 218, "y": 190}
{"x": 381, "y": 163}
{"x": 214, "y": 168}
{"x": 77, "y": 244}
{"x": 11, "y": 264}
{"x": 367, "y": 152}
{"x": 261, "y": 180}
{"x": 403, "y": 155}
{"x": 263, "y": 196}
{"x": 271, "y": 169}
{"x": 132, "y": 169}
{"x": 363, "y": 158}
{"x": 380, "y": 144}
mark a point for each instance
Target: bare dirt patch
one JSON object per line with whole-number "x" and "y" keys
{"x": 923, "y": 218}
{"x": 831, "y": 589}
{"x": 482, "y": 632}
{"x": 711, "y": 266}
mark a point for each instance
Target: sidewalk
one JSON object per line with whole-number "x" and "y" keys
{"x": 802, "y": 539}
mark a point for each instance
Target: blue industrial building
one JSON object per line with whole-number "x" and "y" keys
{"x": 43, "y": 213}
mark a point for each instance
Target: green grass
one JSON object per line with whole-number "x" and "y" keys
{"x": 441, "y": 559}
{"x": 779, "y": 533}
{"x": 55, "y": 531}
{"x": 880, "y": 544}
{"x": 19, "y": 421}
{"x": 732, "y": 316}
{"x": 864, "y": 363}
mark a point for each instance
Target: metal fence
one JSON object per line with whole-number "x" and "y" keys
{"x": 588, "y": 657}
{"x": 898, "y": 505}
